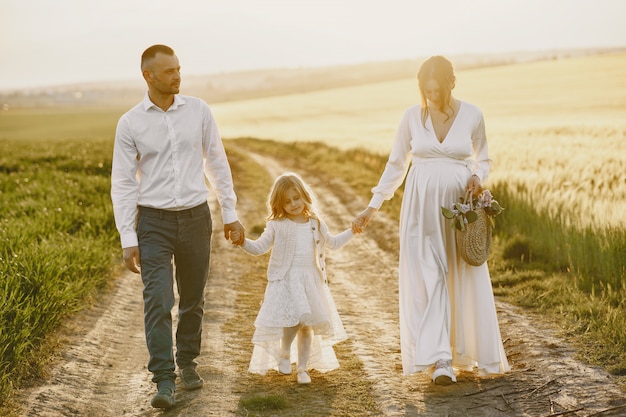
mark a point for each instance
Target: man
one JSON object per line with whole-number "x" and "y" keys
{"x": 164, "y": 147}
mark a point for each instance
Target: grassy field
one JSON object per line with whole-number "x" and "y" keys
{"x": 556, "y": 136}
{"x": 57, "y": 243}
{"x": 555, "y": 127}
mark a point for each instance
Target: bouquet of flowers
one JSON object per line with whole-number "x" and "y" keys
{"x": 464, "y": 211}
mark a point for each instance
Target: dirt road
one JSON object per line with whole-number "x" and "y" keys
{"x": 103, "y": 371}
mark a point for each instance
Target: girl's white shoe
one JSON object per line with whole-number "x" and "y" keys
{"x": 284, "y": 366}
{"x": 304, "y": 377}
{"x": 443, "y": 373}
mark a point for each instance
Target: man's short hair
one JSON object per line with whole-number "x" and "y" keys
{"x": 151, "y": 52}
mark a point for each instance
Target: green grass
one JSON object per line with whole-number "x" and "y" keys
{"x": 593, "y": 255}
{"x": 573, "y": 275}
{"x": 57, "y": 243}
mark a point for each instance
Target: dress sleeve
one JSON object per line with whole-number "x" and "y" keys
{"x": 397, "y": 165}
{"x": 263, "y": 244}
{"x": 480, "y": 150}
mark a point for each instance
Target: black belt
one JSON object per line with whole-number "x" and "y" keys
{"x": 161, "y": 213}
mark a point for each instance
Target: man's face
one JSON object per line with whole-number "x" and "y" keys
{"x": 163, "y": 74}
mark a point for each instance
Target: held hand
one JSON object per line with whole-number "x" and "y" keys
{"x": 473, "y": 186}
{"x": 235, "y": 236}
{"x": 229, "y": 230}
{"x": 131, "y": 258}
{"x": 361, "y": 221}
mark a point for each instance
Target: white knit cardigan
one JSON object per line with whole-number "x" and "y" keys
{"x": 280, "y": 236}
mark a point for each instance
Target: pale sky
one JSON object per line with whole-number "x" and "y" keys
{"x": 49, "y": 42}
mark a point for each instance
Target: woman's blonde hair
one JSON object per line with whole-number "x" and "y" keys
{"x": 441, "y": 70}
{"x": 282, "y": 184}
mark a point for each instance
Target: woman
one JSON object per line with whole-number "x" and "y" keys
{"x": 447, "y": 310}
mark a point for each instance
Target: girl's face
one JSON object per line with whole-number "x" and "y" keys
{"x": 293, "y": 204}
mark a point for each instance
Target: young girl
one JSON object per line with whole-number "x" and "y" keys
{"x": 297, "y": 300}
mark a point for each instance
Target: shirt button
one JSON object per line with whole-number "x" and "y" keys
{"x": 317, "y": 241}
{"x": 313, "y": 228}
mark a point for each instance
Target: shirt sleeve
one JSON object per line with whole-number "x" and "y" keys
{"x": 217, "y": 168}
{"x": 124, "y": 186}
{"x": 396, "y": 167}
{"x": 480, "y": 150}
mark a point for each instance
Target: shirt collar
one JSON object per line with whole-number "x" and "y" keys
{"x": 148, "y": 104}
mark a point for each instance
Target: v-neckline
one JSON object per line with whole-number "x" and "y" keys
{"x": 432, "y": 125}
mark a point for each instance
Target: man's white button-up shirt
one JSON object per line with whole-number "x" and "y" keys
{"x": 160, "y": 159}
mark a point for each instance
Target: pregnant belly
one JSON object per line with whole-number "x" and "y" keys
{"x": 436, "y": 177}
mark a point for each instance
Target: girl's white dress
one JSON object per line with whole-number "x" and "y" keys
{"x": 447, "y": 308}
{"x": 300, "y": 296}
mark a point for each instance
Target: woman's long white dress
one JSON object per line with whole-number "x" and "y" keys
{"x": 447, "y": 308}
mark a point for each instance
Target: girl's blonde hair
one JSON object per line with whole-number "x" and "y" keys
{"x": 282, "y": 184}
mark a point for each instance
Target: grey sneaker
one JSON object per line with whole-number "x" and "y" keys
{"x": 164, "y": 398}
{"x": 190, "y": 378}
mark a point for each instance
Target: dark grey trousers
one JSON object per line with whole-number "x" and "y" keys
{"x": 173, "y": 244}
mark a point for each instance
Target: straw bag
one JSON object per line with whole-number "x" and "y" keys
{"x": 473, "y": 242}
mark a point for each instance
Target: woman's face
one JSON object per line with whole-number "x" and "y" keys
{"x": 432, "y": 91}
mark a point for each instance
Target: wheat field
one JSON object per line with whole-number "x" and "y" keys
{"x": 556, "y": 129}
